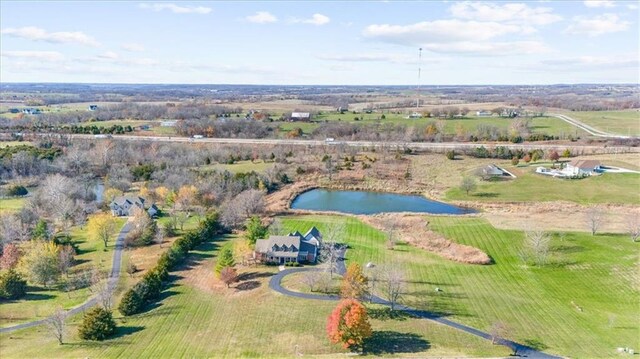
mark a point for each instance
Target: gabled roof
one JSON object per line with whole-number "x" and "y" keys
{"x": 492, "y": 170}
{"x": 313, "y": 232}
{"x": 121, "y": 200}
{"x": 300, "y": 114}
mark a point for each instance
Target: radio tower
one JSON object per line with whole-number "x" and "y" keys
{"x": 419, "y": 73}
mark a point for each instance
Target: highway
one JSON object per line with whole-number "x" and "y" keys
{"x": 425, "y": 146}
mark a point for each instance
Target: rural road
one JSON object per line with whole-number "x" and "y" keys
{"x": 112, "y": 282}
{"x": 437, "y": 147}
{"x": 520, "y": 349}
{"x": 583, "y": 126}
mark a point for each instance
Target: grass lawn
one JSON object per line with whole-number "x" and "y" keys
{"x": 239, "y": 167}
{"x": 532, "y": 187}
{"x": 13, "y": 204}
{"x": 14, "y": 143}
{"x": 619, "y": 122}
{"x": 41, "y": 302}
{"x": 198, "y": 317}
{"x": 598, "y": 274}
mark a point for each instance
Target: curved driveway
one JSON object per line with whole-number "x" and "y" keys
{"x": 112, "y": 282}
{"x": 522, "y": 350}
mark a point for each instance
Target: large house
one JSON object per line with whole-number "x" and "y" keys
{"x": 125, "y": 206}
{"x": 582, "y": 167}
{"x": 300, "y": 116}
{"x": 294, "y": 247}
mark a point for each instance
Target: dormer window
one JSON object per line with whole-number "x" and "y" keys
{"x": 275, "y": 248}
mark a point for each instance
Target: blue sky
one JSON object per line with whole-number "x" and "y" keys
{"x": 346, "y": 43}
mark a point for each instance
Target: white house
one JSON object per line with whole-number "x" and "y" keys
{"x": 582, "y": 167}
{"x": 125, "y": 206}
{"x": 294, "y": 247}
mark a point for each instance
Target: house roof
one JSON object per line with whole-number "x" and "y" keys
{"x": 300, "y": 114}
{"x": 313, "y": 232}
{"x": 301, "y": 245}
{"x": 585, "y": 164}
{"x": 121, "y": 200}
{"x": 493, "y": 170}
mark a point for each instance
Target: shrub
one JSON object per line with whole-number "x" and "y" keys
{"x": 131, "y": 303}
{"x": 17, "y": 190}
{"x": 451, "y": 155}
{"x": 98, "y": 324}
{"x": 12, "y": 285}
{"x": 515, "y": 161}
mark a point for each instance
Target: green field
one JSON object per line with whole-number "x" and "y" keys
{"x": 545, "y": 125}
{"x": 13, "y": 204}
{"x": 599, "y": 274}
{"x": 238, "y": 167}
{"x": 257, "y": 322}
{"x": 41, "y": 302}
{"x": 532, "y": 187}
{"x": 14, "y": 143}
{"x": 617, "y": 122}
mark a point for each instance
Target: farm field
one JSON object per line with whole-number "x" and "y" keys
{"x": 238, "y": 167}
{"x": 198, "y": 317}
{"x": 618, "y": 122}
{"x": 13, "y": 204}
{"x": 596, "y": 273}
{"x": 545, "y": 125}
{"x": 14, "y": 143}
{"x": 531, "y": 187}
{"x": 41, "y": 302}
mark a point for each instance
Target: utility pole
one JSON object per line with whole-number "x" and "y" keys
{"x": 419, "y": 73}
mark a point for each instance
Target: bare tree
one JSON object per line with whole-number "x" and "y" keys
{"x": 330, "y": 249}
{"x": 105, "y": 299}
{"x": 633, "y": 227}
{"x": 594, "y": 217}
{"x": 390, "y": 230}
{"x": 537, "y": 245}
{"x": 394, "y": 280}
{"x": 158, "y": 238}
{"x": 56, "y": 324}
{"x": 311, "y": 279}
{"x": 468, "y": 185}
{"x": 275, "y": 228}
{"x": 65, "y": 257}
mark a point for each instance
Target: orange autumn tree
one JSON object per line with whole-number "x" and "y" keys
{"x": 349, "y": 325}
{"x": 354, "y": 282}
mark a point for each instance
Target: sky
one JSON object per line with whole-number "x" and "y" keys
{"x": 321, "y": 43}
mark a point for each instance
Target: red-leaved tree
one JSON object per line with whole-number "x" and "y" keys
{"x": 349, "y": 325}
{"x": 10, "y": 256}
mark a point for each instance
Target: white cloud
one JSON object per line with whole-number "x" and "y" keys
{"x": 440, "y": 31}
{"x": 132, "y": 47}
{"x": 515, "y": 13}
{"x": 506, "y": 48}
{"x": 262, "y": 17}
{"x": 593, "y": 62}
{"x": 632, "y": 6}
{"x": 176, "y": 8}
{"x": 110, "y": 55}
{"x": 599, "y": 3}
{"x": 315, "y": 19}
{"x": 35, "y": 55}
{"x": 37, "y": 34}
{"x": 391, "y": 58}
{"x": 598, "y": 25}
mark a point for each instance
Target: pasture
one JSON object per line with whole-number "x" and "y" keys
{"x": 625, "y": 122}
{"x": 13, "y": 204}
{"x": 617, "y": 188}
{"x": 597, "y": 274}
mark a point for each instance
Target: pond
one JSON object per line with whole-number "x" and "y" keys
{"x": 363, "y": 202}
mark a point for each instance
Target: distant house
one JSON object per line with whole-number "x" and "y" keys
{"x": 415, "y": 115}
{"x": 300, "y": 116}
{"x": 31, "y": 111}
{"x": 170, "y": 123}
{"x": 493, "y": 171}
{"x": 125, "y": 206}
{"x": 93, "y": 107}
{"x": 484, "y": 113}
{"x": 14, "y": 110}
{"x": 294, "y": 247}
{"x": 582, "y": 167}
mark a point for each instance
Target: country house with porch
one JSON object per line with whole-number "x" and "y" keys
{"x": 294, "y": 247}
